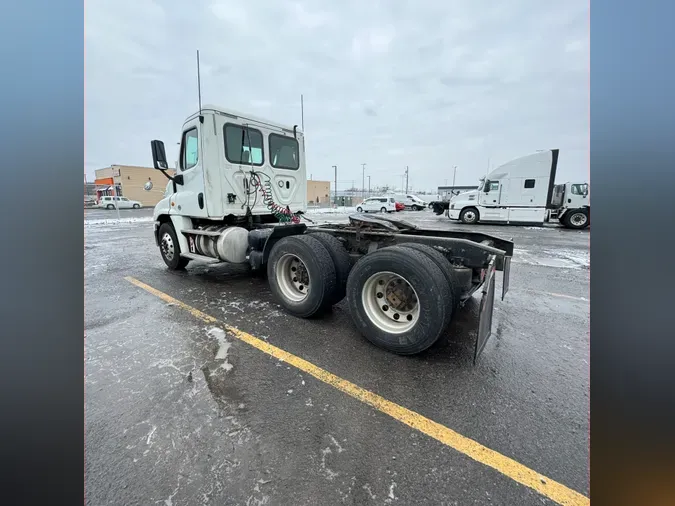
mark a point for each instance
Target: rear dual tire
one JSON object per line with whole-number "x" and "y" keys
{"x": 414, "y": 282}
{"x": 398, "y": 299}
{"x": 444, "y": 265}
{"x": 302, "y": 275}
{"x": 341, "y": 261}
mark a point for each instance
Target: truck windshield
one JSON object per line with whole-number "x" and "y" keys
{"x": 579, "y": 189}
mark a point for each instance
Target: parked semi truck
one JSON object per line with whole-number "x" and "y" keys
{"x": 239, "y": 196}
{"x": 523, "y": 192}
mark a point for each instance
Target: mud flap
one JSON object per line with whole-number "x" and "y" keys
{"x": 507, "y": 274}
{"x": 487, "y": 304}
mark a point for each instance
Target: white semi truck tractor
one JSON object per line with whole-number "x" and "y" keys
{"x": 239, "y": 196}
{"x": 523, "y": 192}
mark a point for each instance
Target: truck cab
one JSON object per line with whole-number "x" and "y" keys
{"x": 571, "y": 204}
{"x": 219, "y": 151}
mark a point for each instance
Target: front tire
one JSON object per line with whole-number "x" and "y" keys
{"x": 110, "y": 206}
{"x": 415, "y": 208}
{"x": 398, "y": 299}
{"x": 170, "y": 249}
{"x": 136, "y": 206}
{"x": 469, "y": 216}
{"x": 359, "y": 209}
{"x": 383, "y": 210}
{"x": 301, "y": 275}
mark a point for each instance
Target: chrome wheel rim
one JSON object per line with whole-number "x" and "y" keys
{"x": 168, "y": 249}
{"x": 470, "y": 216}
{"x": 578, "y": 219}
{"x": 292, "y": 278}
{"x": 390, "y": 302}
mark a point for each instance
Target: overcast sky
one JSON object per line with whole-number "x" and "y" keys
{"x": 427, "y": 84}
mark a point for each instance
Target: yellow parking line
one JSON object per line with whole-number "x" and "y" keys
{"x": 505, "y": 465}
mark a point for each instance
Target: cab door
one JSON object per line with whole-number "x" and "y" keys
{"x": 190, "y": 200}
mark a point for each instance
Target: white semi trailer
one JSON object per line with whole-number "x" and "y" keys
{"x": 523, "y": 192}
{"x": 239, "y": 196}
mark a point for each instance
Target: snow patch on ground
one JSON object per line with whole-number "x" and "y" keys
{"x": 115, "y": 221}
{"x": 559, "y": 258}
{"x": 223, "y": 346}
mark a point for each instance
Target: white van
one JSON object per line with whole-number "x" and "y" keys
{"x": 377, "y": 204}
{"x": 108, "y": 202}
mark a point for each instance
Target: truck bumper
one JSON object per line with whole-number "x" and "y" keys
{"x": 453, "y": 214}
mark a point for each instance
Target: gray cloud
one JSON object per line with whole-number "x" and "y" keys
{"x": 388, "y": 83}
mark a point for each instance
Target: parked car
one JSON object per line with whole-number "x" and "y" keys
{"x": 377, "y": 204}
{"x": 108, "y": 202}
{"x": 411, "y": 202}
{"x": 400, "y": 206}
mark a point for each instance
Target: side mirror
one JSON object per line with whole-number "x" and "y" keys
{"x": 159, "y": 155}
{"x": 486, "y": 188}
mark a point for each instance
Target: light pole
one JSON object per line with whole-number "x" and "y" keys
{"x": 454, "y": 174}
{"x": 368, "y": 186}
{"x": 335, "y": 167}
{"x": 363, "y": 181}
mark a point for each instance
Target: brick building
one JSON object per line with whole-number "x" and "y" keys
{"x": 318, "y": 192}
{"x": 130, "y": 183}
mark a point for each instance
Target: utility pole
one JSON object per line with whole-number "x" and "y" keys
{"x": 363, "y": 181}
{"x": 454, "y": 174}
{"x": 302, "y": 113}
{"x": 369, "y": 186}
{"x": 406, "y": 179}
{"x": 335, "y": 167}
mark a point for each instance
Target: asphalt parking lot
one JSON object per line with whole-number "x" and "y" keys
{"x": 180, "y": 412}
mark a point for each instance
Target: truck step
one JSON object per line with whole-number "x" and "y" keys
{"x": 200, "y": 232}
{"x": 202, "y": 258}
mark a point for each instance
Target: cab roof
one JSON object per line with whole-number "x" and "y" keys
{"x": 243, "y": 116}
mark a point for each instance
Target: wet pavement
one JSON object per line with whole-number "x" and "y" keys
{"x": 178, "y": 412}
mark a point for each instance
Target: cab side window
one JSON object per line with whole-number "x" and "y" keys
{"x": 190, "y": 149}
